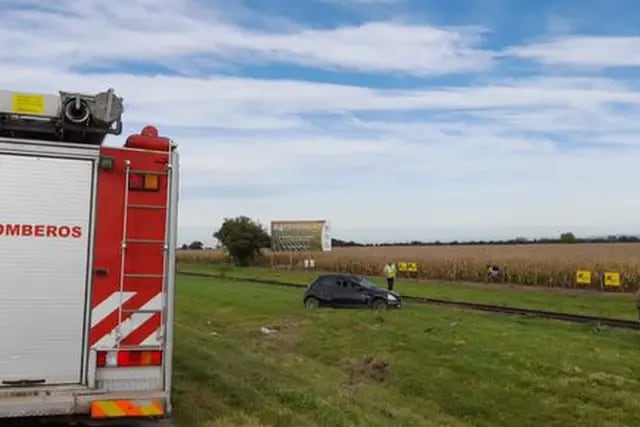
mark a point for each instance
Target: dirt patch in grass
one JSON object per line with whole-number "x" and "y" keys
{"x": 284, "y": 334}
{"x": 366, "y": 368}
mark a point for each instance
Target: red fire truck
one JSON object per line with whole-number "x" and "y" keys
{"x": 87, "y": 249}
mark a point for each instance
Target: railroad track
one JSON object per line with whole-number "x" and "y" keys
{"x": 500, "y": 309}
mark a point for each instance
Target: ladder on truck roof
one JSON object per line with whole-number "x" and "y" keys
{"x": 66, "y": 117}
{"x": 126, "y": 241}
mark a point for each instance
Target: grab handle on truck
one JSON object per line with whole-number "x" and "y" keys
{"x": 21, "y": 383}
{"x": 101, "y": 271}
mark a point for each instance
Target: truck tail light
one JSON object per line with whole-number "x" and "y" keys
{"x": 111, "y": 359}
{"x": 144, "y": 181}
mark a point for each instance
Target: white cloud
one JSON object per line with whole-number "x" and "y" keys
{"x": 583, "y": 51}
{"x": 244, "y": 160}
{"x": 600, "y": 120}
{"x": 177, "y": 32}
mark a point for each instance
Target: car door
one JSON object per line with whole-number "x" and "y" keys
{"x": 358, "y": 295}
{"x": 349, "y": 293}
{"x": 341, "y": 292}
{"x": 326, "y": 289}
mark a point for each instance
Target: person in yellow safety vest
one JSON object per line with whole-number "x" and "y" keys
{"x": 390, "y": 272}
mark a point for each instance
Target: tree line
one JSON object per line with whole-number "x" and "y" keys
{"x": 564, "y": 238}
{"x": 244, "y": 238}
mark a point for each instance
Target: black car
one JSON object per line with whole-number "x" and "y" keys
{"x": 339, "y": 290}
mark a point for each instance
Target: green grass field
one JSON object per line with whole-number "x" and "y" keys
{"x": 418, "y": 366}
{"x": 594, "y": 303}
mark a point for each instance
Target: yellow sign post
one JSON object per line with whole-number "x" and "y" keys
{"x": 402, "y": 267}
{"x": 413, "y": 267}
{"x": 583, "y": 277}
{"x": 612, "y": 279}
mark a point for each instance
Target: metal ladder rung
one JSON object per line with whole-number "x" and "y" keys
{"x": 143, "y": 172}
{"x": 140, "y": 311}
{"x": 158, "y": 207}
{"x": 141, "y": 347}
{"x": 144, "y": 276}
{"x": 151, "y": 241}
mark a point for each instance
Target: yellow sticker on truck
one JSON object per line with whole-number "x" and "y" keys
{"x": 27, "y": 103}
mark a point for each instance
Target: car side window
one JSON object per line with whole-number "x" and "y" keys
{"x": 325, "y": 286}
{"x": 355, "y": 286}
{"x": 342, "y": 284}
{"x": 326, "y": 281}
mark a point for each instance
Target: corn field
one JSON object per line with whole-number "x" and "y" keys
{"x": 551, "y": 265}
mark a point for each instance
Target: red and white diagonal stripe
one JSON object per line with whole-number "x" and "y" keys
{"x": 136, "y": 328}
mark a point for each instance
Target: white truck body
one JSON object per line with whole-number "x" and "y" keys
{"x": 43, "y": 291}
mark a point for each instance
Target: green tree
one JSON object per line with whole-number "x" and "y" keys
{"x": 242, "y": 238}
{"x": 196, "y": 245}
{"x": 567, "y": 237}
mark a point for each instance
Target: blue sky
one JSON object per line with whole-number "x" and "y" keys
{"x": 393, "y": 119}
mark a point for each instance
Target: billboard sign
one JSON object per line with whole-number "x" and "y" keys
{"x": 313, "y": 235}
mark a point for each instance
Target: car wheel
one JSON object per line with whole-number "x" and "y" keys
{"x": 311, "y": 302}
{"x": 379, "y": 304}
